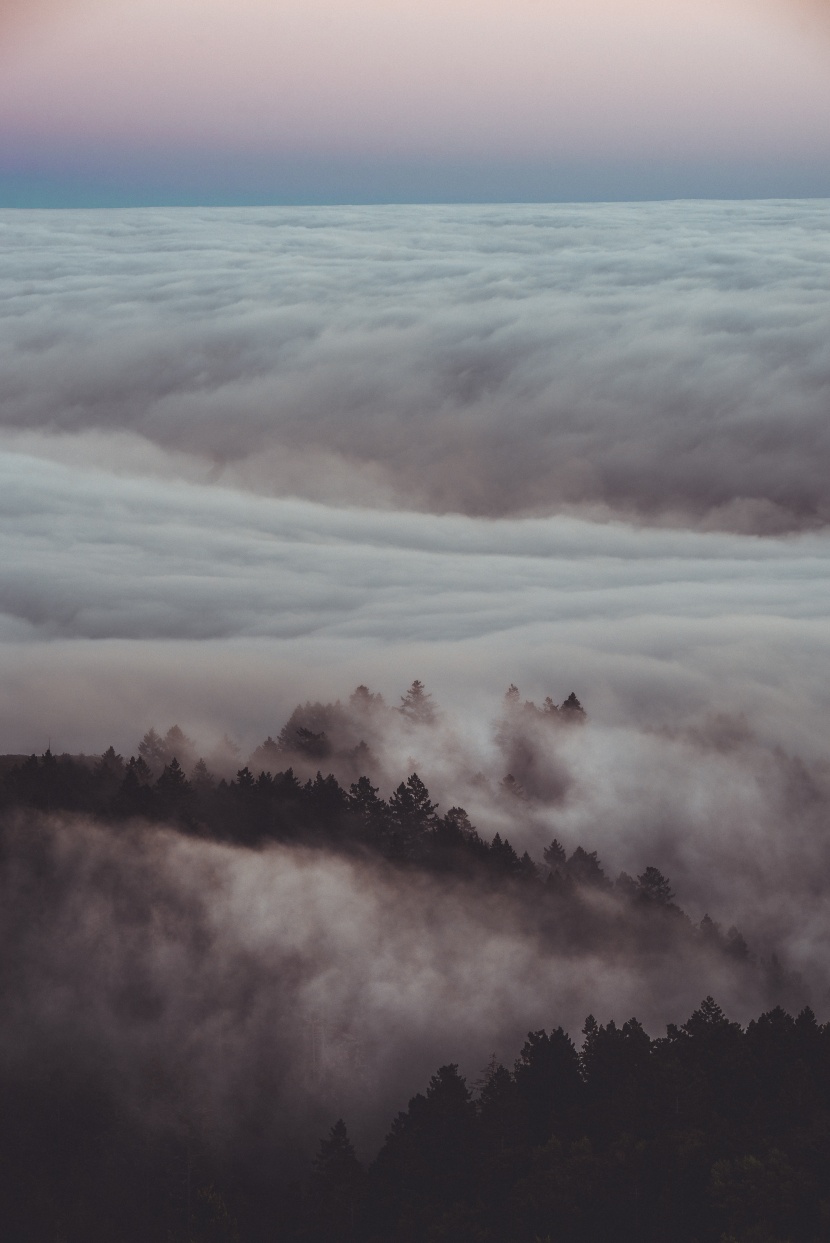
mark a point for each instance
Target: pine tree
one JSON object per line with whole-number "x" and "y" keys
{"x": 337, "y": 1189}
{"x": 173, "y": 790}
{"x": 584, "y": 867}
{"x": 152, "y": 750}
{"x": 201, "y": 777}
{"x": 416, "y": 705}
{"x": 266, "y": 757}
{"x": 554, "y": 854}
{"x": 572, "y": 711}
{"x": 369, "y": 811}
{"x": 655, "y": 887}
{"x": 178, "y": 746}
{"x": 413, "y": 815}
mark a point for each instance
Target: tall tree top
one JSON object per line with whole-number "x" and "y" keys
{"x": 417, "y": 704}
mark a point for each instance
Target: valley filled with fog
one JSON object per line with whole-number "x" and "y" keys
{"x": 253, "y": 460}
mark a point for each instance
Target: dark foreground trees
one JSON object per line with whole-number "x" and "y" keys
{"x": 709, "y": 1134}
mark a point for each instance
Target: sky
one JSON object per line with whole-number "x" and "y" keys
{"x": 324, "y": 101}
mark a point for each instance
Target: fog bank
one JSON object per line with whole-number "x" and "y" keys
{"x": 253, "y": 459}
{"x": 661, "y": 362}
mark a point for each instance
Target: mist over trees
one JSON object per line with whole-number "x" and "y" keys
{"x": 265, "y": 803}
{"x": 212, "y": 959}
{"x": 415, "y": 968}
{"x": 708, "y": 1134}
{"x": 288, "y": 794}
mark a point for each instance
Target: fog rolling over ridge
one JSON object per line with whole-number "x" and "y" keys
{"x": 253, "y": 459}
{"x": 256, "y": 988}
{"x": 263, "y": 994}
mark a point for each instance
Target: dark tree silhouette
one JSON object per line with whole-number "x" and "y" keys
{"x": 430, "y": 1155}
{"x": 502, "y": 859}
{"x": 554, "y": 854}
{"x": 572, "y": 711}
{"x": 336, "y": 1192}
{"x": 413, "y": 816}
{"x": 316, "y": 746}
{"x": 363, "y": 700}
{"x": 174, "y": 793}
{"x": 655, "y": 887}
{"x": 584, "y": 868}
{"x": 548, "y": 1083}
{"x": 370, "y": 813}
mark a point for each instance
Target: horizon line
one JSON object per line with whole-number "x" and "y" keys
{"x": 237, "y": 205}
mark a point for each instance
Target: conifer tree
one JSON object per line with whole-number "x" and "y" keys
{"x": 417, "y": 705}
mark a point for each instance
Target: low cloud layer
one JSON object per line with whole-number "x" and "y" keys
{"x": 128, "y": 602}
{"x": 253, "y": 459}
{"x": 664, "y": 362}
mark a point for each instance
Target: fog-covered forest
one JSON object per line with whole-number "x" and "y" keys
{"x": 212, "y": 960}
{"x": 295, "y": 948}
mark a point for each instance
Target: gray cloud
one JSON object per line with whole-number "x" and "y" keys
{"x": 249, "y": 459}
{"x": 152, "y": 597}
{"x": 92, "y": 556}
{"x": 665, "y": 362}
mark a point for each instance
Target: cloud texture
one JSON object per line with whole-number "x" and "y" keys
{"x": 253, "y": 458}
{"x": 660, "y": 362}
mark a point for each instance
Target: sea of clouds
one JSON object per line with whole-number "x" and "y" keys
{"x": 557, "y": 444}
{"x": 661, "y": 362}
{"x": 249, "y": 458}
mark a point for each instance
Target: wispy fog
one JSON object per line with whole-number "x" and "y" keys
{"x": 254, "y": 459}
{"x": 263, "y": 994}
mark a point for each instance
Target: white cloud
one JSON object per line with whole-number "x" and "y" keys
{"x": 664, "y": 361}
{"x": 252, "y": 458}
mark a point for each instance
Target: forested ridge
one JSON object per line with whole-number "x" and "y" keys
{"x": 712, "y": 1132}
{"x": 267, "y": 801}
{"x": 265, "y": 804}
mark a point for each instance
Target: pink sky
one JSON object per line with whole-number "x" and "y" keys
{"x": 456, "y": 79}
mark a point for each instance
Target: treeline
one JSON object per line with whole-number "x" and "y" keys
{"x": 709, "y": 1134}
{"x": 266, "y": 801}
{"x": 279, "y": 792}
{"x": 569, "y": 893}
